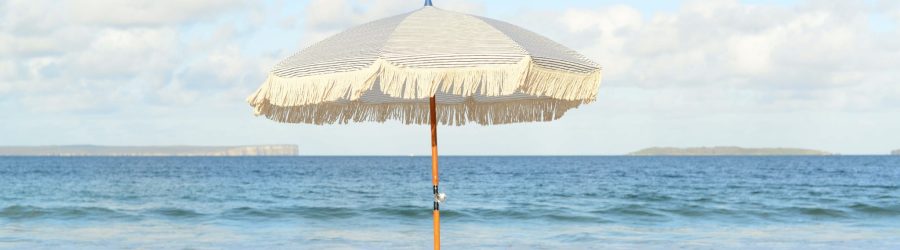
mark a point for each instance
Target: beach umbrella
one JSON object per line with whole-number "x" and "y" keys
{"x": 429, "y": 66}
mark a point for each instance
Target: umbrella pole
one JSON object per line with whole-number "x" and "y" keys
{"x": 434, "y": 173}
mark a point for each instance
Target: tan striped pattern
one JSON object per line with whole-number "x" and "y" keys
{"x": 482, "y": 70}
{"x": 351, "y": 50}
{"x": 545, "y": 52}
{"x": 432, "y": 38}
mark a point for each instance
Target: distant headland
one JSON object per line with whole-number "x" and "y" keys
{"x": 727, "y": 151}
{"x": 94, "y": 150}
{"x": 895, "y": 152}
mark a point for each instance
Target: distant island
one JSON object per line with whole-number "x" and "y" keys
{"x": 895, "y": 152}
{"x": 93, "y": 150}
{"x": 727, "y": 151}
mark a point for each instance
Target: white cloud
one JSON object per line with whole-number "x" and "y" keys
{"x": 26, "y": 45}
{"x": 149, "y": 12}
{"x": 78, "y": 100}
{"x": 101, "y": 54}
{"x": 8, "y": 73}
{"x": 223, "y": 67}
{"x": 804, "y": 57}
{"x": 31, "y": 16}
{"x": 130, "y": 52}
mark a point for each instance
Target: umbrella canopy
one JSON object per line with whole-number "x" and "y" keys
{"x": 478, "y": 69}
{"x": 429, "y": 66}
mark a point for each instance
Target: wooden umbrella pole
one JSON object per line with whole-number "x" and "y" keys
{"x": 434, "y": 173}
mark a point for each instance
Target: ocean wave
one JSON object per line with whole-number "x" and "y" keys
{"x": 814, "y": 212}
{"x": 629, "y": 211}
{"x": 20, "y": 212}
{"x": 618, "y": 213}
{"x": 876, "y": 210}
{"x": 654, "y": 197}
{"x": 174, "y": 212}
{"x": 309, "y": 212}
{"x": 407, "y": 212}
{"x": 701, "y": 212}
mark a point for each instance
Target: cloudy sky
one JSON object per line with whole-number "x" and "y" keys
{"x": 814, "y": 74}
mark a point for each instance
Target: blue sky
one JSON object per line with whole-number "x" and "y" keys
{"x": 813, "y": 74}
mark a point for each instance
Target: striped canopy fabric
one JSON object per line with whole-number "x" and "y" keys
{"x": 478, "y": 69}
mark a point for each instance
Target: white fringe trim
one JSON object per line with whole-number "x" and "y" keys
{"x": 330, "y": 98}
{"x": 417, "y": 112}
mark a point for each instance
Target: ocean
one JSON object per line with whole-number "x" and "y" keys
{"x": 604, "y": 202}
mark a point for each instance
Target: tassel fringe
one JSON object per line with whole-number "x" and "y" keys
{"x": 335, "y": 98}
{"x": 417, "y": 112}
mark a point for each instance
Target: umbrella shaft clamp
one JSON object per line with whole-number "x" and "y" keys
{"x": 436, "y": 203}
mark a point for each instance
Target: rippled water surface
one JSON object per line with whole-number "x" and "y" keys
{"x": 494, "y": 202}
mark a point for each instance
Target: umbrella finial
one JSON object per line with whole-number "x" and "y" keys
{"x": 427, "y": 2}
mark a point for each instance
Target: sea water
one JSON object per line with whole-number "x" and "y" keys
{"x": 494, "y": 202}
